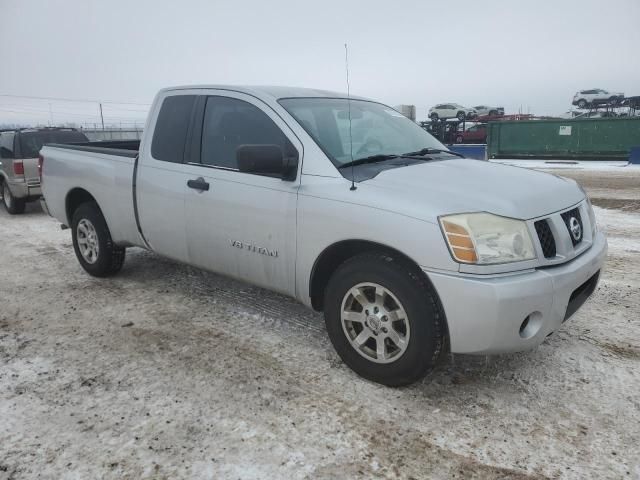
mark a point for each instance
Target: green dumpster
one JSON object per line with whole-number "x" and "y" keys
{"x": 582, "y": 139}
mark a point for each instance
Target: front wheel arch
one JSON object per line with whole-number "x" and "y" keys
{"x": 336, "y": 254}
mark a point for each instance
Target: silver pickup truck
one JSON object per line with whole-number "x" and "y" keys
{"x": 346, "y": 205}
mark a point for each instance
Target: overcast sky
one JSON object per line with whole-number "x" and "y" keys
{"x": 530, "y": 55}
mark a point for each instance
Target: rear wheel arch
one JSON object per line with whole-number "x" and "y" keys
{"x": 75, "y": 198}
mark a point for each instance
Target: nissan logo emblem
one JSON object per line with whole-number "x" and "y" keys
{"x": 575, "y": 228}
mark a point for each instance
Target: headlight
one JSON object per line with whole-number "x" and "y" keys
{"x": 483, "y": 238}
{"x": 592, "y": 215}
{"x": 592, "y": 218}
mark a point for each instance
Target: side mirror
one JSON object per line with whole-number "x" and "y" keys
{"x": 268, "y": 160}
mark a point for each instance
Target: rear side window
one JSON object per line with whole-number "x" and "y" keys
{"x": 170, "y": 134}
{"x": 6, "y": 145}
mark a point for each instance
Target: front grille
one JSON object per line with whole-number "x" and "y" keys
{"x": 576, "y": 232}
{"x": 547, "y": 242}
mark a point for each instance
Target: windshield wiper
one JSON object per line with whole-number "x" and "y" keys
{"x": 370, "y": 159}
{"x": 427, "y": 151}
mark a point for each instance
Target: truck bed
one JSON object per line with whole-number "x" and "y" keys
{"x": 124, "y": 148}
{"x": 106, "y": 169}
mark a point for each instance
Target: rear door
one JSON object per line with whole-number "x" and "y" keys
{"x": 448, "y": 111}
{"x": 162, "y": 177}
{"x": 244, "y": 225}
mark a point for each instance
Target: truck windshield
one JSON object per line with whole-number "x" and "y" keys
{"x": 375, "y": 128}
{"x": 32, "y": 142}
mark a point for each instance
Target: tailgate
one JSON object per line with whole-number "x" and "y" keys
{"x": 31, "y": 175}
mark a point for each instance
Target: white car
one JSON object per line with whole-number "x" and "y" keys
{"x": 584, "y": 98}
{"x": 451, "y": 110}
{"x": 489, "y": 110}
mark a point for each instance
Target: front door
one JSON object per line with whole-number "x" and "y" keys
{"x": 241, "y": 224}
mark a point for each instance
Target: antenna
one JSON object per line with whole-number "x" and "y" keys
{"x": 346, "y": 65}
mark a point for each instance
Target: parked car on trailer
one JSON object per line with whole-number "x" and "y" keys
{"x": 451, "y": 110}
{"x": 406, "y": 247}
{"x": 474, "y": 134}
{"x": 19, "y": 179}
{"x": 488, "y": 110}
{"x": 586, "y": 98}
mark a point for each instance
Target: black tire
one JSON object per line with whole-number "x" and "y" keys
{"x": 423, "y": 313}
{"x": 493, "y": 113}
{"x": 614, "y": 100}
{"x": 110, "y": 257}
{"x": 582, "y": 103}
{"x": 13, "y": 205}
{"x": 433, "y": 116}
{"x": 461, "y": 116}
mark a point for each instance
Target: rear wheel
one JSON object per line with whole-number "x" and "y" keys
{"x": 493, "y": 113}
{"x": 434, "y": 116}
{"x": 461, "y": 116}
{"x": 92, "y": 242}
{"x": 384, "y": 319}
{"x": 582, "y": 103}
{"x": 13, "y": 205}
{"x": 614, "y": 100}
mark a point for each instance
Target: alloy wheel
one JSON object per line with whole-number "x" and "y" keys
{"x": 375, "y": 323}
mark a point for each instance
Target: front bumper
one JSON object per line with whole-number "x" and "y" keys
{"x": 486, "y": 315}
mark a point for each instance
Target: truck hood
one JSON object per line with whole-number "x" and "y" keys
{"x": 435, "y": 188}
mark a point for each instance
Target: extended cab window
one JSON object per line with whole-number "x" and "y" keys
{"x": 229, "y": 123}
{"x": 170, "y": 134}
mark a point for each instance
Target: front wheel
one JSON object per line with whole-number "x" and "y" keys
{"x": 384, "y": 319}
{"x": 434, "y": 116}
{"x": 614, "y": 100}
{"x": 92, "y": 242}
{"x": 461, "y": 116}
{"x": 582, "y": 103}
{"x": 13, "y": 205}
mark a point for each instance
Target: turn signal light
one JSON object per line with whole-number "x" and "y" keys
{"x": 460, "y": 242}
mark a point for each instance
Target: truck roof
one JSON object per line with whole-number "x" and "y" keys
{"x": 38, "y": 129}
{"x": 272, "y": 92}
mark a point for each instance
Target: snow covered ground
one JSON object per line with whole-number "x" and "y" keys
{"x": 169, "y": 372}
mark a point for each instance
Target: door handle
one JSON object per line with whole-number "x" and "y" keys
{"x": 198, "y": 184}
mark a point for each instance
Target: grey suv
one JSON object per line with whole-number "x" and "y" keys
{"x": 19, "y": 176}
